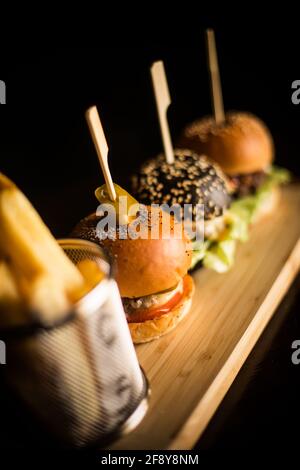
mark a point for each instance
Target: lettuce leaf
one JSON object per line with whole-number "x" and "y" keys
{"x": 219, "y": 255}
{"x": 247, "y": 207}
{"x": 199, "y": 251}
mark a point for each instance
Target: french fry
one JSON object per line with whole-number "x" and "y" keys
{"x": 47, "y": 299}
{"x": 11, "y": 306}
{"x": 8, "y": 288}
{"x": 46, "y": 280}
{"x": 42, "y": 296}
{"x": 18, "y": 296}
{"x": 29, "y": 243}
{"x": 6, "y": 183}
{"x": 91, "y": 272}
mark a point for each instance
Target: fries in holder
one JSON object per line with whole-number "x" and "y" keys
{"x": 71, "y": 357}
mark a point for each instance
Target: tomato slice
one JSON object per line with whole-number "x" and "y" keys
{"x": 142, "y": 315}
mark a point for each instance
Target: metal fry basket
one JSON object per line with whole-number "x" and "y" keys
{"x": 81, "y": 377}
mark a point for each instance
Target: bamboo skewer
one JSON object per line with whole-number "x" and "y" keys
{"x": 101, "y": 146}
{"x": 216, "y": 88}
{"x": 163, "y": 101}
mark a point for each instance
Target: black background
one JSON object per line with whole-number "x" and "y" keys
{"x": 45, "y": 147}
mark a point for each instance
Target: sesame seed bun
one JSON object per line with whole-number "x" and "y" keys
{"x": 153, "y": 329}
{"x": 243, "y": 144}
{"x": 143, "y": 266}
{"x": 191, "y": 179}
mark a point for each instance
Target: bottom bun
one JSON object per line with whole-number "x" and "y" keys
{"x": 153, "y": 329}
{"x": 268, "y": 206}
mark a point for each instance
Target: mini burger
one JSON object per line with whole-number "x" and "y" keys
{"x": 194, "y": 180}
{"x": 151, "y": 272}
{"x": 244, "y": 149}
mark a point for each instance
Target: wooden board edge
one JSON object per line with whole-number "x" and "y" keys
{"x": 195, "y": 425}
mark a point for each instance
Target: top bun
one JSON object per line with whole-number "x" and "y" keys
{"x": 143, "y": 266}
{"x": 191, "y": 179}
{"x": 243, "y": 144}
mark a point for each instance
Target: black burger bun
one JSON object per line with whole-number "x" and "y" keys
{"x": 191, "y": 179}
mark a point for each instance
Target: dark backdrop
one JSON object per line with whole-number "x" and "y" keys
{"x": 44, "y": 141}
{"x": 45, "y": 147}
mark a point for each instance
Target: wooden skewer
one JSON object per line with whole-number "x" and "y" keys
{"x": 163, "y": 101}
{"x": 101, "y": 146}
{"x": 215, "y": 77}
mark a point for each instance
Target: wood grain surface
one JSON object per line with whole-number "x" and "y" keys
{"x": 191, "y": 368}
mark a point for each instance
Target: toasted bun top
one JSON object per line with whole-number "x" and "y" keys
{"x": 143, "y": 266}
{"x": 243, "y": 144}
{"x": 191, "y": 179}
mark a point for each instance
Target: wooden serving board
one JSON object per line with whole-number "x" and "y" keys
{"x": 191, "y": 368}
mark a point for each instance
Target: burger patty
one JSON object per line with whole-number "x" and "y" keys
{"x": 131, "y": 305}
{"x": 246, "y": 184}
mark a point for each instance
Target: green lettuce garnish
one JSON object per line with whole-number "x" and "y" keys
{"x": 219, "y": 254}
{"x": 247, "y": 207}
{"x": 199, "y": 251}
